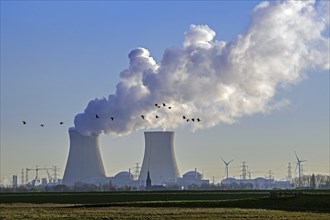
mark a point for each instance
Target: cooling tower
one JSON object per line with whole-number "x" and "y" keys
{"x": 159, "y": 158}
{"x": 84, "y": 162}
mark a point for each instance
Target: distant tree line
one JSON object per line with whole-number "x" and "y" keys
{"x": 317, "y": 181}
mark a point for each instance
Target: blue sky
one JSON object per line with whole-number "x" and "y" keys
{"x": 56, "y": 56}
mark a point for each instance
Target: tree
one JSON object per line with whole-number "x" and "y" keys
{"x": 313, "y": 182}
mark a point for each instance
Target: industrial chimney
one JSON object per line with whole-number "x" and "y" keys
{"x": 159, "y": 158}
{"x": 84, "y": 162}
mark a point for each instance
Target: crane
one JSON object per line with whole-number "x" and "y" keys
{"x": 27, "y": 174}
{"x": 37, "y": 169}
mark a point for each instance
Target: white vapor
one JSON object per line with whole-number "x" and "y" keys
{"x": 216, "y": 81}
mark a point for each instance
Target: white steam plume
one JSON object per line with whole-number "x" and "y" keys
{"x": 216, "y": 81}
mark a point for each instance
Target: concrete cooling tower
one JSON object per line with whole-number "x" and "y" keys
{"x": 159, "y": 158}
{"x": 84, "y": 162}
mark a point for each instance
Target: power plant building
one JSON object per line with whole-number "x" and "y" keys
{"x": 192, "y": 178}
{"x": 159, "y": 158}
{"x": 84, "y": 162}
{"x": 122, "y": 179}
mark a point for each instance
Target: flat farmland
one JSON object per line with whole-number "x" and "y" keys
{"x": 51, "y": 211}
{"x": 167, "y": 205}
{"x": 115, "y": 197}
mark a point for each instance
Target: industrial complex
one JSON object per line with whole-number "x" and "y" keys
{"x": 84, "y": 164}
{"x": 159, "y": 169}
{"x": 159, "y": 166}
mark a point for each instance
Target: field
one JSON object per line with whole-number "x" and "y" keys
{"x": 21, "y": 211}
{"x": 167, "y": 205}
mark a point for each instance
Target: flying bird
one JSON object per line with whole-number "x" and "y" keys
{"x": 164, "y": 104}
{"x": 156, "y": 105}
{"x": 169, "y": 107}
{"x": 61, "y": 122}
{"x": 24, "y": 122}
{"x": 184, "y": 117}
{"x": 112, "y": 118}
{"x": 187, "y": 120}
{"x": 142, "y": 116}
{"x": 42, "y": 125}
{"x": 97, "y": 116}
{"x": 157, "y": 116}
{"x": 198, "y": 120}
{"x": 193, "y": 119}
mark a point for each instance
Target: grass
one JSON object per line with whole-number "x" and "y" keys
{"x": 116, "y": 197}
{"x": 23, "y": 211}
{"x": 167, "y": 205}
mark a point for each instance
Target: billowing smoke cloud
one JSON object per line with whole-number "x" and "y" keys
{"x": 216, "y": 81}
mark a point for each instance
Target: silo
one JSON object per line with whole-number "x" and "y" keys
{"x": 84, "y": 161}
{"x": 159, "y": 158}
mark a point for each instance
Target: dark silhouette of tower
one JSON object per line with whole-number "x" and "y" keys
{"x": 148, "y": 181}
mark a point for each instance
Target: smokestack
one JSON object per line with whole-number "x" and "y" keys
{"x": 159, "y": 158}
{"x": 84, "y": 162}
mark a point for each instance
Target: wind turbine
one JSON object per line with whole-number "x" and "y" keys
{"x": 299, "y": 164}
{"x": 226, "y": 164}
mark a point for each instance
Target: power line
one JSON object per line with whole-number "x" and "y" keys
{"x": 243, "y": 170}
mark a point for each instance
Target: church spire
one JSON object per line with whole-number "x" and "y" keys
{"x": 148, "y": 181}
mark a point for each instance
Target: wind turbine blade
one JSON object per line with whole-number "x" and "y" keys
{"x": 230, "y": 161}
{"x": 296, "y": 155}
{"x": 223, "y": 160}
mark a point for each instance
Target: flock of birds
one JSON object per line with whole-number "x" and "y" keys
{"x": 142, "y": 116}
{"x": 42, "y": 125}
{"x": 156, "y": 116}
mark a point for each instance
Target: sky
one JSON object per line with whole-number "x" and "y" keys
{"x": 57, "y": 56}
